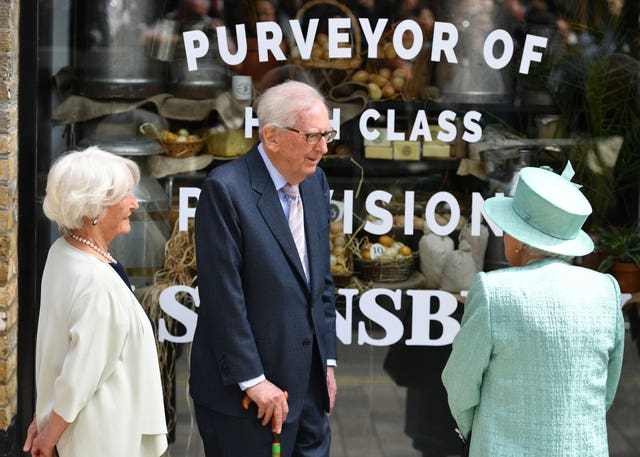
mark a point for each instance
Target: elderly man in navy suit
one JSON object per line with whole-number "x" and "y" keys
{"x": 266, "y": 321}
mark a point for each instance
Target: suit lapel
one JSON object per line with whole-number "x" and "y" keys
{"x": 271, "y": 210}
{"x": 310, "y": 229}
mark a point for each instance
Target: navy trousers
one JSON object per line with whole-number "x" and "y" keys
{"x": 307, "y": 435}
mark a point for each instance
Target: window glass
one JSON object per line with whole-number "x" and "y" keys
{"x": 437, "y": 105}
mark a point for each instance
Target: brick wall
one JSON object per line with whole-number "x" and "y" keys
{"x": 8, "y": 224}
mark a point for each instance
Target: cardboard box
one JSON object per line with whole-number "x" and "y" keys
{"x": 378, "y": 152}
{"x": 435, "y": 148}
{"x": 406, "y": 150}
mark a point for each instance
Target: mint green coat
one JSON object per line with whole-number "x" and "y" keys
{"x": 536, "y": 362}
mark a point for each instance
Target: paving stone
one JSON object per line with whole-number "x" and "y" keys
{"x": 368, "y": 420}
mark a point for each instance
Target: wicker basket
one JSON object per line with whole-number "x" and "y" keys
{"x": 180, "y": 149}
{"x": 386, "y": 270}
{"x": 334, "y": 70}
{"x": 341, "y": 280}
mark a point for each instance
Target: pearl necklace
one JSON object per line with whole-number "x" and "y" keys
{"x": 93, "y": 246}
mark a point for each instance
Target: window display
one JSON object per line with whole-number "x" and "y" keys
{"x": 437, "y": 106}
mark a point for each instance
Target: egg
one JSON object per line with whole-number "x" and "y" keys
{"x": 378, "y": 80}
{"x": 389, "y": 51}
{"x": 336, "y": 227}
{"x": 397, "y": 82}
{"x": 168, "y": 136}
{"x": 385, "y": 72}
{"x": 400, "y": 73}
{"x": 375, "y": 93}
{"x": 391, "y": 252}
{"x": 322, "y": 38}
{"x": 361, "y": 76}
{"x": 386, "y": 241}
{"x": 388, "y": 91}
{"x": 340, "y": 240}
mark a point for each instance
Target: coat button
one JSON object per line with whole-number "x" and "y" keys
{"x": 306, "y": 342}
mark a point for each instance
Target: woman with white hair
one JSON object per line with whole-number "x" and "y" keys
{"x": 97, "y": 377}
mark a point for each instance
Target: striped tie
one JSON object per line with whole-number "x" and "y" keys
{"x": 296, "y": 223}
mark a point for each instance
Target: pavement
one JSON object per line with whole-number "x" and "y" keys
{"x": 368, "y": 420}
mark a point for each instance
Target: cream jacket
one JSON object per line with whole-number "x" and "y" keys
{"x": 96, "y": 360}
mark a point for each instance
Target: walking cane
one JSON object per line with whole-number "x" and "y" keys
{"x": 275, "y": 437}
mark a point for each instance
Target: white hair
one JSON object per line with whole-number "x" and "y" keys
{"x": 283, "y": 104}
{"x": 539, "y": 253}
{"x": 83, "y": 183}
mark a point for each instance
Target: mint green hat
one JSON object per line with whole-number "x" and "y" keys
{"x": 546, "y": 212}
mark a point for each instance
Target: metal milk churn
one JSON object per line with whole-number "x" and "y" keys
{"x": 112, "y": 58}
{"x": 471, "y": 80}
{"x": 210, "y": 79}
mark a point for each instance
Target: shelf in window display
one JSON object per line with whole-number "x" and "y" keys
{"x": 76, "y": 108}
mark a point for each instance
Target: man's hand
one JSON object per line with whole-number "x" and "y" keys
{"x": 332, "y": 387}
{"x": 272, "y": 404}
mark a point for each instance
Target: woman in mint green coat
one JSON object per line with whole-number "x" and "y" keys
{"x": 537, "y": 360}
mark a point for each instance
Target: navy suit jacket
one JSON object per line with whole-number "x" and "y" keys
{"x": 257, "y": 312}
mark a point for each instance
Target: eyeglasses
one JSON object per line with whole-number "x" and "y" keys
{"x": 313, "y": 137}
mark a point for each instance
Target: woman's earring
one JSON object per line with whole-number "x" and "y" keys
{"x": 94, "y": 221}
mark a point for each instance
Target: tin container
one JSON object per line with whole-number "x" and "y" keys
{"x": 112, "y": 58}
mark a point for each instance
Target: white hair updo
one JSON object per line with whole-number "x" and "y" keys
{"x": 83, "y": 183}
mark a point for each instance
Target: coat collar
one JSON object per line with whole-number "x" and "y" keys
{"x": 271, "y": 210}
